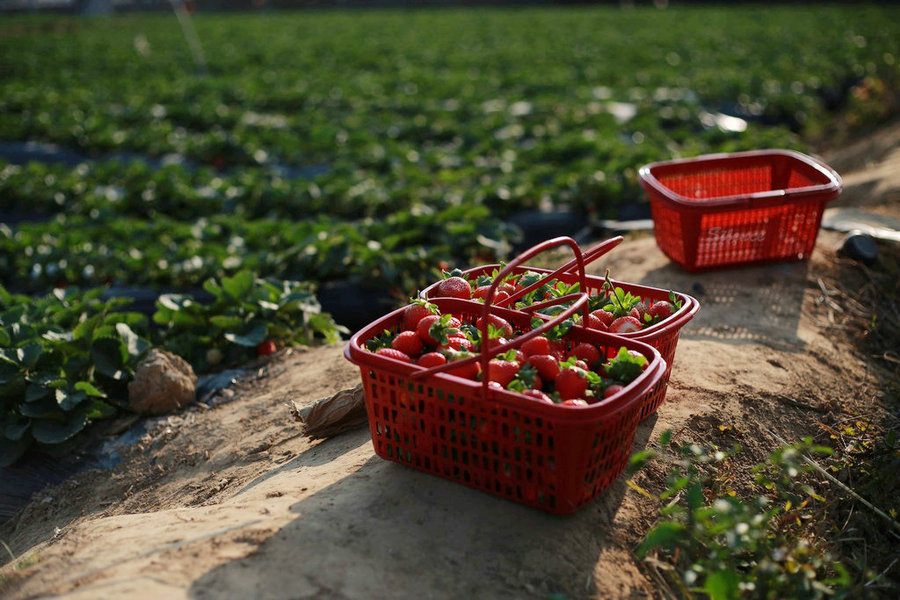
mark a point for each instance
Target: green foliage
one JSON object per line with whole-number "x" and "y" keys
{"x": 64, "y": 360}
{"x": 245, "y": 311}
{"x": 718, "y": 545}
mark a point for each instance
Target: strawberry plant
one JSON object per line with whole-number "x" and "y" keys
{"x": 247, "y": 316}
{"x": 64, "y": 361}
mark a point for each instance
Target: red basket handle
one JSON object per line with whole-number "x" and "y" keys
{"x": 588, "y": 257}
{"x": 580, "y": 302}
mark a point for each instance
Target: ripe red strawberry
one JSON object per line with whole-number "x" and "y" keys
{"x": 502, "y": 371}
{"x": 625, "y": 325}
{"x": 612, "y": 389}
{"x": 424, "y": 325}
{"x": 265, "y": 348}
{"x": 521, "y": 357}
{"x": 586, "y": 352}
{"x": 595, "y": 323}
{"x": 409, "y": 343}
{"x": 574, "y": 402}
{"x": 605, "y": 316}
{"x": 431, "y": 359}
{"x": 538, "y": 395}
{"x": 453, "y": 287}
{"x": 546, "y": 365}
{"x": 661, "y": 309}
{"x": 392, "y": 353}
{"x": 457, "y": 341}
{"x": 414, "y": 313}
{"x": 536, "y": 345}
{"x": 467, "y": 371}
{"x": 498, "y": 323}
{"x": 571, "y": 383}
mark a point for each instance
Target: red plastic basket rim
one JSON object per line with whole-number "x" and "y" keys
{"x": 688, "y": 309}
{"x": 356, "y": 353}
{"x": 648, "y": 180}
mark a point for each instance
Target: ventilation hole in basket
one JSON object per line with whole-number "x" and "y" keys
{"x": 473, "y": 422}
{"x": 394, "y": 415}
{"x": 464, "y": 457}
{"x": 517, "y": 454}
{"x": 551, "y": 463}
{"x": 550, "y": 442}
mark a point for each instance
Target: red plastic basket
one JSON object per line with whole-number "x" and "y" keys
{"x": 662, "y": 336}
{"x": 553, "y": 457}
{"x": 726, "y": 210}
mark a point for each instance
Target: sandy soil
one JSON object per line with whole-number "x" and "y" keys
{"x": 233, "y": 501}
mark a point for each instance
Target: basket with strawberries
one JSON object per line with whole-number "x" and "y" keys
{"x": 648, "y": 314}
{"x": 529, "y": 406}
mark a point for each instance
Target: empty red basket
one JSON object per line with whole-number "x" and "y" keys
{"x": 727, "y": 210}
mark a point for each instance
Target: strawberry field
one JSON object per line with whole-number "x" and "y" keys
{"x": 354, "y": 151}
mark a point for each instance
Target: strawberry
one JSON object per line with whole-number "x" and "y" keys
{"x": 423, "y": 327}
{"x": 625, "y": 325}
{"x": 536, "y": 345}
{"x": 265, "y": 348}
{"x": 502, "y": 371}
{"x": 574, "y": 402}
{"x": 612, "y": 389}
{"x": 468, "y": 371}
{"x": 457, "y": 341}
{"x": 480, "y": 293}
{"x": 392, "y": 353}
{"x": 661, "y": 309}
{"x": 546, "y": 365}
{"x": 586, "y": 352}
{"x": 409, "y": 343}
{"x": 604, "y": 316}
{"x": 414, "y": 313}
{"x": 498, "y": 323}
{"x": 431, "y": 359}
{"x": 537, "y": 395}
{"x": 595, "y": 323}
{"x": 435, "y": 329}
{"x": 571, "y": 383}
{"x": 454, "y": 287}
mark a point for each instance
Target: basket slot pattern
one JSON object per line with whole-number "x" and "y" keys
{"x": 491, "y": 448}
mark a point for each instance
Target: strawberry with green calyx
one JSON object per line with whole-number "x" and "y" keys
{"x": 619, "y": 302}
{"x": 409, "y": 343}
{"x": 546, "y": 365}
{"x": 496, "y": 324}
{"x": 392, "y": 353}
{"x": 625, "y": 324}
{"x": 467, "y": 371}
{"x": 382, "y": 340}
{"x": 526, "y": 378}
{"x": 502, "y": 370}
{"x": 431, "y": 359}
{"x": 626, "y": 366}
{"x": 453, "y": 287}
{"x": 414, "y": 312}
{"x": 586, "y": 352}
{"x": 436, "y": 329}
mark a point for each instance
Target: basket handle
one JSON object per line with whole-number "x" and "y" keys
{"x": 588, "y": 257}
{"x": 580, "y": 303}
